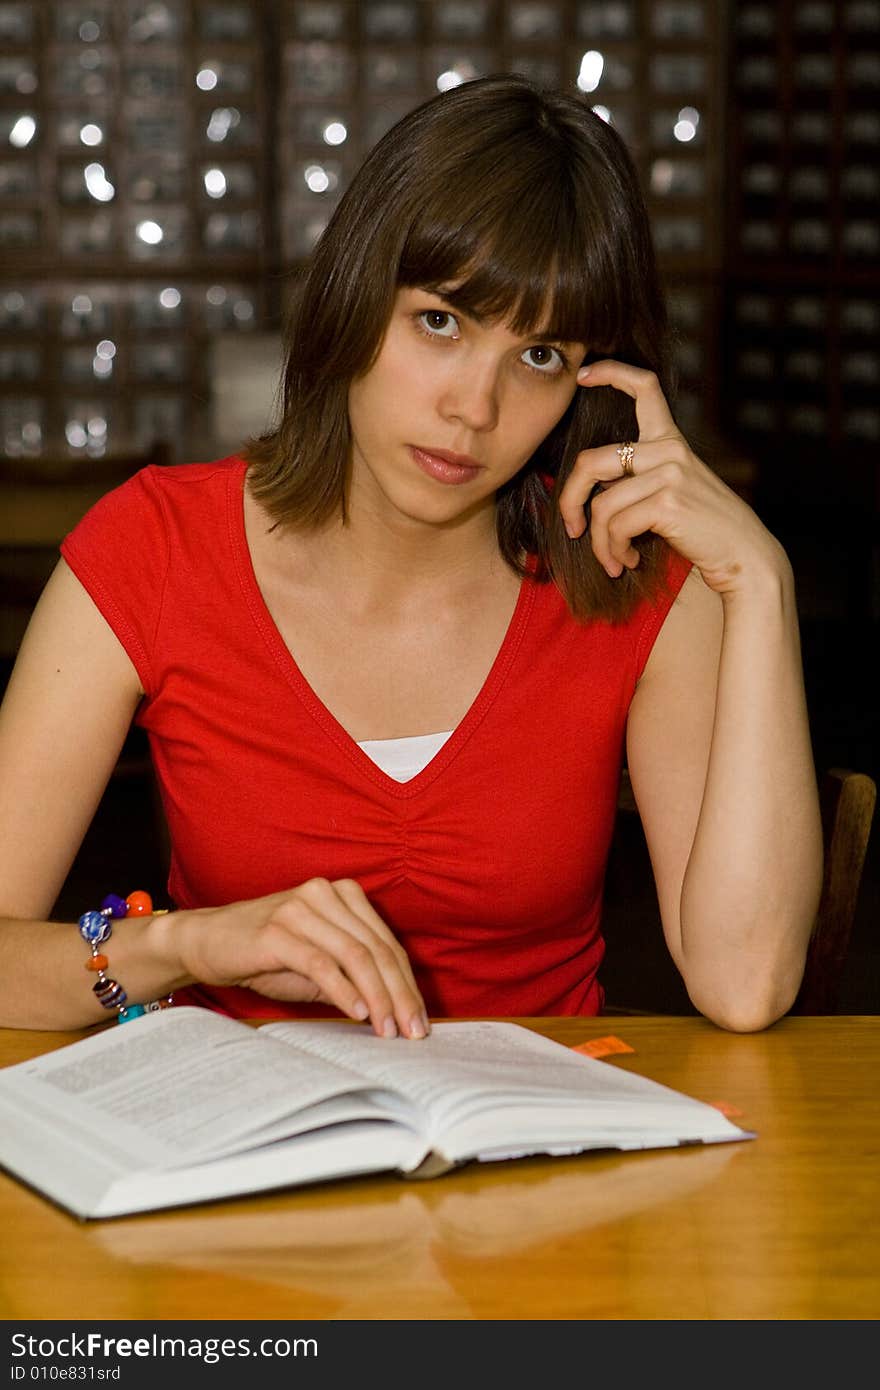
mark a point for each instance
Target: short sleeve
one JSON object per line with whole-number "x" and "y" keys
{"x": 656, "y": 609}
{"x": 119, "y": 553}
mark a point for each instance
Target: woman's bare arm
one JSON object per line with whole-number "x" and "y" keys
{"x": 68, "y": 707}
{"x": 719, "y": 756}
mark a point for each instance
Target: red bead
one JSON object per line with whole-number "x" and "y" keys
{"x": 140, "y": 904}
{"x": 97, "y": 963}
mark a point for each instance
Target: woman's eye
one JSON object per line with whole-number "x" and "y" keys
{"x": 544, "y": 359}
{"x": 438, "y": 323}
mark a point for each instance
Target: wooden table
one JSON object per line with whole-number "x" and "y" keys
{"x": 783, "y": 1227}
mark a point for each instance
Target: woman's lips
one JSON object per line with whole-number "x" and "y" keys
{"x": 446, "y": 467}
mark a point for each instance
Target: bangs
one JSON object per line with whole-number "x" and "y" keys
{"x": 519, "y": 246}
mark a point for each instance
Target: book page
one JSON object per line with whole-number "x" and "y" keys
{"x": 174, "y": 1086}
{"x": 495, "y": 1088}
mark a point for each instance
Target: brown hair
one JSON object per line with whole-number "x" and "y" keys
{"x": 526, "y": 200}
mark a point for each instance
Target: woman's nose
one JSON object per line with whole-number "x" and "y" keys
{"x": 470, "y": 396}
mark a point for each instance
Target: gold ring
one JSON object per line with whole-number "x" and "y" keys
{"x": 626, "y": 454}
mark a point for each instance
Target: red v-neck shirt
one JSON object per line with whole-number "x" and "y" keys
{"x": 488, "y": 866}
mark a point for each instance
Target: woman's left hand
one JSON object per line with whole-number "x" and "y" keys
{"x": 670, "y": 492}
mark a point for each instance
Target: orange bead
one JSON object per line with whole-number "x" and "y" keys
{"x": 139, "y": 904}
{"x": 97, "y": 963}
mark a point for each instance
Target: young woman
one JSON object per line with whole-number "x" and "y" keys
{"x": 390, "y": 661}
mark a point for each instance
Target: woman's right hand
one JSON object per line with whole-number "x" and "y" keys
{"x": 320, "y": 942}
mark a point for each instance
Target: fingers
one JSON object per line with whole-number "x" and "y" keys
{"x": 652, "y": 412}
{"x": 614, "y": 524}
{"x": 386, "y": 977}
{"x": 356, "y": 900}
{"x": 603, "y": 466}
{"x": 659, "y": 439}
{"x": 320, "y": 941}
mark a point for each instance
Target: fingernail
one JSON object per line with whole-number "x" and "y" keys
{"x": 416, "y": 1027}
{"x": 427, "y": 1024}
{"x": 571, "y": 531}
{"x": 389, "y": 1028}
{"x": 583, "y": 371}
{"x": 360, "y": 1009}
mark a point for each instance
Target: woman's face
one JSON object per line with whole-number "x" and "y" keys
{"x": 452, "y": 408}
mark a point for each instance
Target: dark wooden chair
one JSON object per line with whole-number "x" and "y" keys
{"x": 848, "y": 799}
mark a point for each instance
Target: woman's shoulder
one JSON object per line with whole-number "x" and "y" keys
{"x": 177, "y": 479}
{"x": 197, "y": 471}
{"x": 155, "y": 503}
{"x": 159, "y": 487}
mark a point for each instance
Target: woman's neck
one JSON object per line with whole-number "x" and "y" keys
{"x": 376, "y": 561}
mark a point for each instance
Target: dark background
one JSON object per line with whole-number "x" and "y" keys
{"x": 756, "y": 129}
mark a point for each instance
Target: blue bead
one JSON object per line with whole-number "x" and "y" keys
{"x": 130, "y": 1011}
{"x": 94, "y": 927}
{"x": 116, "y": 906}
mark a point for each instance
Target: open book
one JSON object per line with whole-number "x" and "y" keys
{"x": 185, "y": 1105}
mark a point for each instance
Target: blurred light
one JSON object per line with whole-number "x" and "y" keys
{"x": 169, "y": 298}
{"x": 215, "y": 294}
{"x": 150, "y": 232}
{"x": 89, "y": 31}
{"x": 222, "y": 119}
{"x": 31, "y": 434}
{"x": 685, "y": 127}
{"x": 97, "y": 427}
{"x": 662, "y": 172}
{"x": 335, "y": 133}
{"x": 314, "y": 229}
{"x": 14, "y": 301}
{"x": 76, "y": 435}
{"x": 215, "y": 183}
{"x": 26, "y": 83}
{"x": 97, "y": 183}
{"x": 603, "y": 113}
{"x": 106, "y": 348}
{"x": 590, "y": 74}
{"x": 91, "y": 134}
{"x": 317, "y": 178}
{"x": 102, "y": 366}
{"x": 206, "y": 79}
{"x": 23, "y": 132}
{"x": 462, "y": 70}
{"x": 243, "y": 310}
{"x": 81, "y": 304}
{"x": 155, "y": 22}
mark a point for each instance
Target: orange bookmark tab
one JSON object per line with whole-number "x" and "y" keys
{"x": 730, "y": 1111}
{"x": 602, "y": 1047}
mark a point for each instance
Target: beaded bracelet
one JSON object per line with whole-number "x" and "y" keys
{"x": 95, "y": 927}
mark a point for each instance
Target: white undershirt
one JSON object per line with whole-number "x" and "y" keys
{"x": 404, "y": 758}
